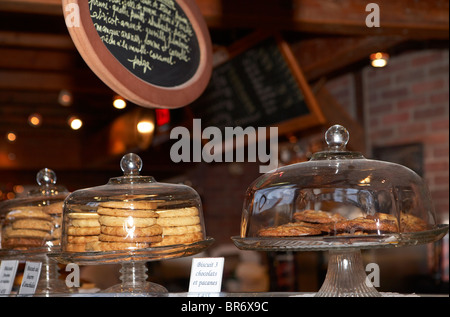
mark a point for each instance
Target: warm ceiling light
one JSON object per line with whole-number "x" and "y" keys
{"x": 379, "y": 59}
{"x": 65, "y": 98}
{"x": 145, "y": 126}
{"x": 11, "y": 136}
{"x": 75, "y": 123}
{"x": 119, "y": 102}
{"x": 19, "y": 189}
{"x": 35, "y": 119}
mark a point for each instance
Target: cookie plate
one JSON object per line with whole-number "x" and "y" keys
{"x": 325, "y": 243}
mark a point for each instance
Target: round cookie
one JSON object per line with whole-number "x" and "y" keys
{"x": 181, "y": 212}
{"x": 317, "y": 216}
{"x": 136, "y": 232}
{"x": 289, "y": 230}
{"x": 127, "y": 222}
{"x": 82, "y": 239}
{"x": 138, "y": 213}
{"x": 54, "y": 209}
{"x": 366, "y": 225}
{"x": 80, "y": 231}
{"x": 178, "y": 221}
{"x": 115, "y": 246}
{"x": 323, "y": 227}
{"x": 28, "y": 212}
{"x": 148, "y": 239}
{"x": 85, "y": 222}
{"x": 25, "y": 233}
{"x": 36, "y": 224}
{"x": 13, "y": 243}
{"x": 410, "y": 223}
{"x": 76, "y": 247}
{"x": 167, "y": 231}
{"x": 83, "y": 215}
{"x": 130, "y": 204}
{"x": 384, "y": 217}
{"x": 180, "y": 239}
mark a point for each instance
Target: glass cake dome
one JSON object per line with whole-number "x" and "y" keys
{"x": 132, "y": 220}
{"x": 337, "y": 193}
{"x": 33, "y": 222}
{"x": 130, "y": 213}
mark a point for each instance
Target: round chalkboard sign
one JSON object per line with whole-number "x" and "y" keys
{"x": 155, "y": 53}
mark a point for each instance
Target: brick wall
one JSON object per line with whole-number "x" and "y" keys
{"x": 407, "y": 102}
{"x": 222, "y": 187}
{"x": 403, "y": 103}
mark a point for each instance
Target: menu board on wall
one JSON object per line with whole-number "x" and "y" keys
{"x": 259, "y": 85}
{"x": 156, "y": 53}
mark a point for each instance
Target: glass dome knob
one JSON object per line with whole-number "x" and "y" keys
{"x": 46, "y": 176}
{"x": 337, "y": 137}
{"x": 131, "y": 164}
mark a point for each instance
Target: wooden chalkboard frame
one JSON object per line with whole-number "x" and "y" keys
{"x": 121, "y": 80}
{"x": 315, "y": 117}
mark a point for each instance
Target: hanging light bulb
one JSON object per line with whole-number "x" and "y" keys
{"x": 75, "y": 123}
{"x": 379, "y": 59}
{"x": 145, "y": 126}
{"x": 35, "y": 120}
{"x": 65, "y": 98}
{"x": 119, "y": 102}
{"x": 11, "y": 137}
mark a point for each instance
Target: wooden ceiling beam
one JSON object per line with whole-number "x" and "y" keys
{"x": 36, "y": 40}
{"x": 324, "y": 55}
{"x": 411, "y": 18}
{"x": 53, "y": 7}
{"x": 47, "y": 60}
{"x": 85, "y": 82}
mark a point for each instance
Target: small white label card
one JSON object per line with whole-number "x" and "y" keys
{"x": 8, "y": 270}
{"x": 30, "y": 278}
{"x": 206, "y": 275}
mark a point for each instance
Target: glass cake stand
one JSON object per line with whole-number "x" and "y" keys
{"x": 340, "y": 188}
{"x": 346, "y": 276}
{"x": 45, "y": 194}
{"x": 134, "y": 270}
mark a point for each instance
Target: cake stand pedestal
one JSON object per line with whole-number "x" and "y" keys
{"x": 346, "y": 276}
{"x": 134, "y": 280}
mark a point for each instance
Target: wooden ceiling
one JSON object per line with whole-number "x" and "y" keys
{"x": 38, "y": 60}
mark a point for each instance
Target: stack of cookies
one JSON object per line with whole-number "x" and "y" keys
{"x": 127, "y": 225}
{"x": 27, "y": 227}
{"x": 55, "y": 211}
{"x": 131, "y": 225}
{"x": 82, "y": 229}
{"x": 317, "y": 222}
{"x": 179, "y": 226}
